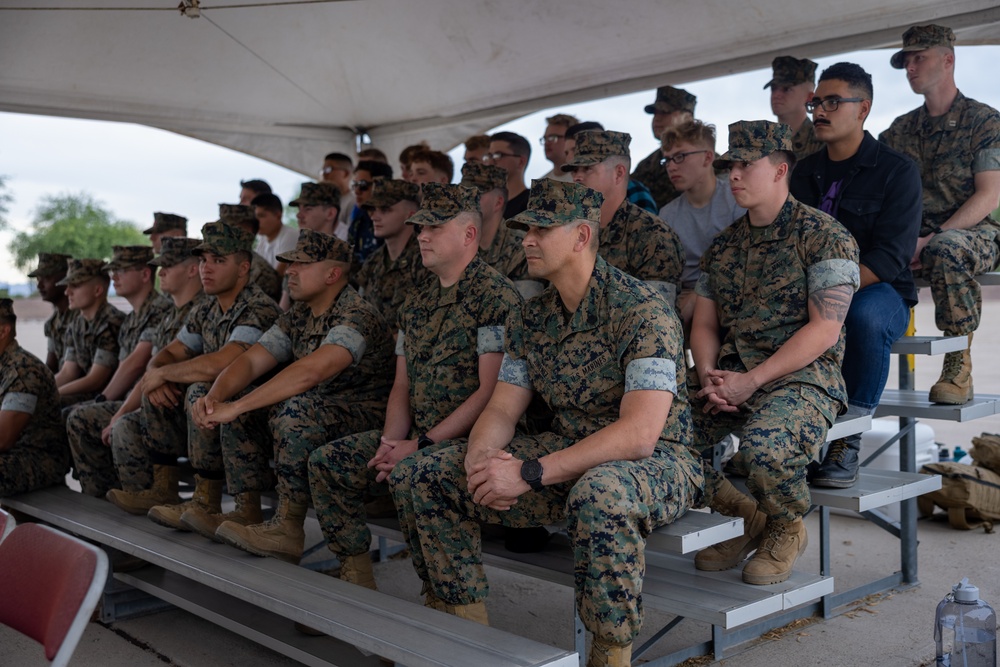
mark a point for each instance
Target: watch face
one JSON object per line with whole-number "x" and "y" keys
{"x": 531, "y": 470}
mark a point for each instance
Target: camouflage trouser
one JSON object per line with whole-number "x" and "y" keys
{"x": 339, "y": 478}
{"x": 293, "y": 429}
{"x": 27, "y": 466}
{"x": 609, "y": 512}
{"x": 135, "y": 470}
{"x": 950, "y": 262}
{"x": 779, "y": 435}
{"x": 95, "y": 467}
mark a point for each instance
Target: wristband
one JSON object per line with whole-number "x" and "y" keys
{"x": 424, "y": 441}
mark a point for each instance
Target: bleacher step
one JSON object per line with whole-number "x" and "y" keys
{"x": 848, "y": 425}
{"x": 930, "y": 345}
{"x": 876, "y": 488}
{"x": 914, "y": 403}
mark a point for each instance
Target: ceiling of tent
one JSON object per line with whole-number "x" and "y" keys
{"x": 286, "y": 80}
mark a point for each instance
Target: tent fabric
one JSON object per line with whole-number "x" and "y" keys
{"x": 287, "y": 81}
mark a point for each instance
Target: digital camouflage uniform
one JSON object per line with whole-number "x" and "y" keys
{"x": 56, "y": 326}
{"x": 505, "y": 253}
{"x": 789, "y": 71}
{"x": 649, "y": 171}
{"x": 442, "y": 334}
{"x": 950, "y": 150}
{"x": 262, "y": 274}
{"x": 165, "y": 222}
{"x": 760, "y": 279}
{"x": 622, "y": 337}
{"x": 40, "y": 456}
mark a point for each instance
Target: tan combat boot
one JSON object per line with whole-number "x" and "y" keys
{"x": 954, "y": 387}
{"x": 606, "y": 654}
{"x": 471, "y": 612}
{"x": 163, "y": 492}
{"x": 205, "y": 523}
{"x": 725, "y": 555}
{"x": 358, "y": 570}
{"x": 280, "y": 537}
{"x": 783, "y": 544}
{"x": 207, "y": 496}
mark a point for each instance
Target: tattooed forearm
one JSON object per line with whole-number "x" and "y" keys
{"x": 832, "y": 303}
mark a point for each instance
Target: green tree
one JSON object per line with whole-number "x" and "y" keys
{"x": 73, "y": 224}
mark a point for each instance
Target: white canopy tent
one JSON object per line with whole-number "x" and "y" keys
{"x": 286, "y": 80}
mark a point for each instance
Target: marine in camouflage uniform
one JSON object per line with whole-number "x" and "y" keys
{"x": 94, "y": 341}
{"x": 677, "y": 105}
{"x": 446, "y": 335}
{"x": 795, "y": 78}
{"x": 33, "y": 452}
{"x": 165, "y": 225}
{"x": 759, "y": 281}
{"x": 91, "y": 458}
{"x": 384, "y": 281}
{"x": 52, "y": 268}
{"x": 952, "y": 150}
{"x": 504, "y": 252}
{"x": 262, "y": 274}
{"x": 585, "y": 364}
{"x": 632, "y": 240}
{"x": 214, "y": 335}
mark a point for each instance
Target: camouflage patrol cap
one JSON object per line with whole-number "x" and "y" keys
{"x": 483, "y": 177}
{"x": 7, "y": 309}
{"x": 165, "y": 222}
{"x": 921, "y": 37}
{"x": 317, "y": 194}
{"x": 315, "y": 246}
{"x": 223, "y": 238}
{"x": 174, "y": 250}
{"x": 82, "y": 270}
{"x": 128, "y": 256}
{"x": 50, "y": 264}
{"x": 751, "y": 140}
{"x": 594, "y": 146}
{"x": 441, "y": 203}
{"x": 553, "y": 203}
{"x": 390, "y": 191}
{"x": 237, "y": 214}
{"x": 789, "y": 71}
{"x": 670, "y": 99}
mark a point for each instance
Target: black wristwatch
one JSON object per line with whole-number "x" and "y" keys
{"x": 937, "y": 230}
{"x": 531, "y": 472}
{"x": 100, "y": 398}
{"x": 424, "y": 441}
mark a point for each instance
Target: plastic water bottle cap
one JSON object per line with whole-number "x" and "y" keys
{"x": 965, "y": 592}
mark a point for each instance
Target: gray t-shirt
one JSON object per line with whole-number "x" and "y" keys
{"x": 696, "y": 227}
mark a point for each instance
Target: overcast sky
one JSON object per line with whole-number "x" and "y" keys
{"x": 135, "y": 170}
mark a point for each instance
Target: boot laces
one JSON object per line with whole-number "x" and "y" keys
{"x": 775, "y": 535}
{"x": 838, "y": 448}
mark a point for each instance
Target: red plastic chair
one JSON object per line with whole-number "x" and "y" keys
{"x": 50, "y": 584}
{"x": 6, "y": 524}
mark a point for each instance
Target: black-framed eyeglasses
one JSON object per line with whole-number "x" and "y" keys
{"x": 679, "y": 157}
{"x": 829, "y": 103}
{"x": 551, "y": 138}
{"x": 496, "y": 156}
{"x": 364, "y": 186}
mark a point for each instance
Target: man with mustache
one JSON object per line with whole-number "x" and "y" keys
{"x": 874, "y": 191}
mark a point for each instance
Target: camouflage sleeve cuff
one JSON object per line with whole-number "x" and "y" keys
{"x": 245, "y": 334}
{"x": 667, "y": 290}
{"x": 349, "y": 339}
{"x": 987, "y": 159}
{"x": 105, "y": 358}
{"x": 400, "y": 339}
{"x": 52, "y": 345}
{"x": 69, "y": 354}
{"x": 19, "y": 402}
{"x": 833, "y": 272}
{"x": 191, "y": 341}
{"x": 277, "y": 343}
{"x": 147, "y": 335}
{"x": 651, "y": 373}
{"x": 489, "y": 339}
{"x": 703, "y": 288}
{"x": 514, "y": 371}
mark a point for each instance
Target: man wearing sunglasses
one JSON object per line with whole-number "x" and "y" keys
{"x": 361, "y": 233}
{"x": 874, "y": 192}
{"x": 791, "y": 87}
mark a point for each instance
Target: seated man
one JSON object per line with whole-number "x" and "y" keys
{"x": 767, "y": 340}
{"x": 791, "y": 87}
{"x": 632, "y": 240}
{"x": 603, "y": 350}
{"x": 672, "y": 106}
{"x": 92, "y": 341}
{"x": 318, "y": 206}
{"x": 216, "y": 332}
{"x": 360, "y": 234}
{"x": 262, "y": 274}
{"x": 51, "y": 270}
{"x": 875, "y": 193}
{"x": 165, "y": 225}
{"x": 449, "y": 347}
{"x": 705, "y": 206}
{"x": 429, "y": 166}
{"x": 336, "y": 382}
{"x": 33, "y": 452}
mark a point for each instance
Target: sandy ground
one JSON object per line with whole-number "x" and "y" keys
{"x": 887, "y": 631}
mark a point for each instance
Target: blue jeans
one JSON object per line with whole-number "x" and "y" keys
{"x": 878, "y": 316}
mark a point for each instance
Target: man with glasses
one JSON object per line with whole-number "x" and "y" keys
{"x": 791, "y": 87}
{"x": 955, "y": 142}
{"x": 874, "y": 192}
{"x": 337, "y": 169}
{"x": 706, "y": 205}
{"x": 673, "y": 106}
{"x": 361, "y": 234}
{"x": 476, "y": 147}
{"x": 512, "y": 152}
{"x": 554, "y": 144}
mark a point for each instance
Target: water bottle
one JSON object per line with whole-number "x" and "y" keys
{"x": 959, "y": 454}
{"x": 965, "y": 631}
{"x": 944, "y": 454}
